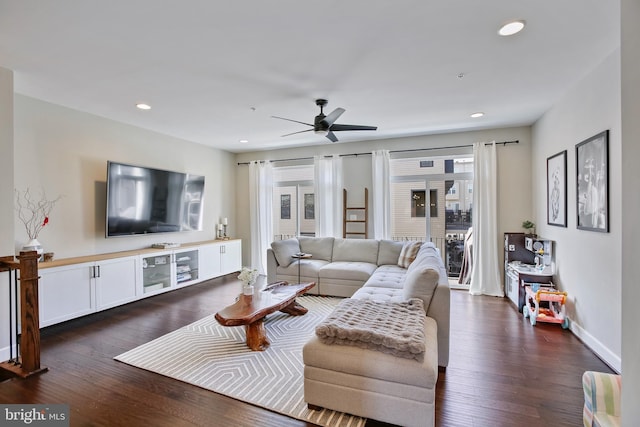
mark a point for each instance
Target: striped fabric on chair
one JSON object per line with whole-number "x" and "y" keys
{"x": 601, "y": 399}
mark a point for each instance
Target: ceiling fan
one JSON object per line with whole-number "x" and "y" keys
{"x": 325, "y": 125}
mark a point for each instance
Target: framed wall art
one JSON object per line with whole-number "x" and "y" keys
{"x": 592, "y": 183}
{"x": 557, "y": 189}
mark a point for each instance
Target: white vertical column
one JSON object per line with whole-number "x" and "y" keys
{"x": 630, "y": 82}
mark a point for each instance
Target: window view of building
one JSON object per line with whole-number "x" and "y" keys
{"x": 448, "y": 184}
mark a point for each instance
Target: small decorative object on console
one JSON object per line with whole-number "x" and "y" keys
{"x": 34, "y": 214}
{"x": 165, "y": 245}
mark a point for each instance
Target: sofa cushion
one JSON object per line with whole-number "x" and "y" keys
{"x": 387, "y": 276}
{"x": 284, "y": 250}
{"x": 318, "y": 247}
{"x": 389, "y": 251}
{"x": 379, "y": 294}
{"x": 307, "y": 268}
{"x": 347, "y": 270}
{"x": 360, "y": 363}
{"x": 420, "y": 283}
{"x": 361, "y": 250}
{"x": 408, "y": 253}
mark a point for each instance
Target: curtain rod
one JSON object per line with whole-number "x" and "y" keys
{"x": 392, "y": 151}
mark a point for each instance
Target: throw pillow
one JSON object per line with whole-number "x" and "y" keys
{"x": 389, "y": 252}
{"x": 408, "y": 253}
{"x": 284, "y": 250}
{"x": 420, "y": 283}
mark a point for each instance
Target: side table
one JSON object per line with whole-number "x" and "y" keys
{"x": 299, "y": 256}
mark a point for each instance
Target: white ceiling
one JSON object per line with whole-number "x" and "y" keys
{"x": 215, "y": 72}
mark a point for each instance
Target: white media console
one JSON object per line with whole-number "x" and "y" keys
{"x": 74, "y": 287}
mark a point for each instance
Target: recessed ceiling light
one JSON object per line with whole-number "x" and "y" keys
{"x": 511, "y": 28}
{"x": 143, "y": 106}
{"x": 478, "y": 114}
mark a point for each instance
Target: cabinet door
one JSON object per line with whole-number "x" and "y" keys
{"x": 209, "y": 258}
{"x": 230, "y": 257}
{"x": 187, "y": 267}
{"x": 158, "y": 273}
{"x": 115, "y": 282}
{"x": 65, "y": 293}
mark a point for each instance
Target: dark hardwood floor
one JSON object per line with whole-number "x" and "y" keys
{"x": 502, "y": 372}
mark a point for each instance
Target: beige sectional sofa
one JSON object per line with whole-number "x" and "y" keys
{"x": 362, "y": 381}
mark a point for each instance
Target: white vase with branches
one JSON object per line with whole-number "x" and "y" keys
{"x": 34, "y": 213}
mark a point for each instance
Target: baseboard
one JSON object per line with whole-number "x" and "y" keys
{"x": 606, "y": 355}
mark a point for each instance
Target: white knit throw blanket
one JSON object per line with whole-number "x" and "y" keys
{"x": 395, "y": 328}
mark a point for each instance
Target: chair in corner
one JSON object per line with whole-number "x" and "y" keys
{"x": 602, "y": 394}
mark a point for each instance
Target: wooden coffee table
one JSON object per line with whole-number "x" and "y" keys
{"x": 250, "y": 310}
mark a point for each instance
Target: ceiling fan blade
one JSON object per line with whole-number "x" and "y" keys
{"x": 337, "y": 127}
{"x": 301, "y": 131}
{"x": 330, "y": 135}
{"x": 333, "y": 116}
{"x": 291, "y": 120}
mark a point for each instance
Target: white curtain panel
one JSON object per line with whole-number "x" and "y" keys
{"x": 381, "y": 195}
{"x": 328, "y": 191}
{"x": 261, "y": 212}
{"x": 485, "y": 275}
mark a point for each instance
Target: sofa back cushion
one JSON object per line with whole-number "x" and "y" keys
{"x": 420, "y": 283}
{"x": 388, "y": 252}
{"x": 358, "y": 250}
{"x": 284, "y": 250}
{"x": 318, "y": 247}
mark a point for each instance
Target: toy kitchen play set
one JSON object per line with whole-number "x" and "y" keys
{"x": 527, "y": 260}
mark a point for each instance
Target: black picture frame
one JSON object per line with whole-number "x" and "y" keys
{"x": 592, "y": 183}
{"x": 557, "y": 189}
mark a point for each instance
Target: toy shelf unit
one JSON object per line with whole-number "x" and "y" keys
{"x": 545, "y": 304}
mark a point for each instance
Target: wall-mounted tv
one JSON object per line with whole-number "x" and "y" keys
{"x": 142, "y": 200}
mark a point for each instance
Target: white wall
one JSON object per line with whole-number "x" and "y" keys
{"x": 514, "y": 171}
{"x": 65, "y": 152}
{"x": 588, "y": 263}
{"x": 630, "y": 70}
{"x": 6, "y": 192}
{"x": 6, "y": 161}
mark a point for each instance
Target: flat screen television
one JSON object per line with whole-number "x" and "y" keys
{"x": 142, "y": 200}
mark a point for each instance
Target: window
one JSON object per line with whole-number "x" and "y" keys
{"x": 294, "y": 202}
{"x": 446, "y": 185}
{"x": 433, "y": 203}
{"x": 309, "y": 206}
{"x": 285, "y": 206}
{"x": 418, "y": 203}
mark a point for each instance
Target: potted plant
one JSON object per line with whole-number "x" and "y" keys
{"x": 530, "y": 227}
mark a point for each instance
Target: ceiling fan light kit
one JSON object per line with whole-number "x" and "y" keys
{"x": 325, "y": 125}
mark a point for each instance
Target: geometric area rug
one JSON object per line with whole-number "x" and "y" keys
{"x": 217, "y": 358}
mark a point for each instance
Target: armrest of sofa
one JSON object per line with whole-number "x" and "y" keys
{"x": 272, "y": 265}
{"x": 439, "y": 310}
{"x": 602, "y": 394}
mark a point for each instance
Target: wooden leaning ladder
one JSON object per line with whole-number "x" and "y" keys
{"x": 361, "y": 213}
